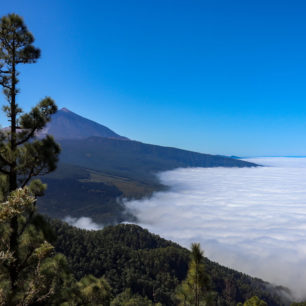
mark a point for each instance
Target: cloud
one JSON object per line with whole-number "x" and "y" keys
{"x": 83, "y": 222}
{"x": 249, "y": 219}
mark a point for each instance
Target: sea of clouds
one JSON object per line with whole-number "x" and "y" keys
{"x": 83, "y": 222}
{"x": 250, "y": 219}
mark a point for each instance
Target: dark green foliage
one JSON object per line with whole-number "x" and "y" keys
{"x": 30, "y": 158}
{"x": 253, "y": 301}
{"x": 43, "y": 276}
{"x": 126, "y": 298}
{"x": 37, "y": 266}
{"x": 132, "y": 258}
{"x": 94, "y": 291}
{"x": 20, "y": 158}
{"x": 15, "y": 35}
{"x": 195, "y": 289}
{"x": 23, "y": 157}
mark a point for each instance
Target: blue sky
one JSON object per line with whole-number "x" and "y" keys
{"x": 221, "y": 77}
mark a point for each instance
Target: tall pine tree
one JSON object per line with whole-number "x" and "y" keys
{"x": 194, "y": 290}
{"x": 22, "y": 155}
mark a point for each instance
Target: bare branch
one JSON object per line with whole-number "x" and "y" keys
{"x": 5, "y": 86}
{"x": 4, "y": 71}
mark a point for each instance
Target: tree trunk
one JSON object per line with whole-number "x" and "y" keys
{"x": 13, "y": 179}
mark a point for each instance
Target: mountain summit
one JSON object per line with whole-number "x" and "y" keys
{"x": 65, "y": 124}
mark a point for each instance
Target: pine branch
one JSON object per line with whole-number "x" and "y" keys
{"x": 26, "y": 223}
{"x": 23, "y": 264}
{"x": 5, "y": 86}
{"x": 5, "y": 41}
{"x": 35, "y": 171}
{"x": 31, "y": 174}
{"x": 31, "y": 134}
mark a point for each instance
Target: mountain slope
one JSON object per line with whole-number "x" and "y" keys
{"x": 68, "y": 125}
{"x": 73, "y": 192}
{"x": 131, "y": 257}
{"x": 136, "y": 160}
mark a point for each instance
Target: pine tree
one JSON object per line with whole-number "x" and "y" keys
{"x": 22, "y": 155}
{"x": 127, "y": 298}
{"x": 194, "y": 290}
{"x": 44, "y": 277}
{"x": 95, "y": 291}
{"x": 33, "y": 253}
{"x": 253, "y": 301}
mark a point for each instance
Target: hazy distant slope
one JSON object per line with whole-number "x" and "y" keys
{"x": 95, "y": 172}
{"x": 136, "y": 160}
{"x": 68, "y": 125}
{"x": 79, "y": 192}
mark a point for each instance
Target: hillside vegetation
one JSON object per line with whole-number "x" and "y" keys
{"x": 78, "y": 192}
{"x": 132, "y": 258}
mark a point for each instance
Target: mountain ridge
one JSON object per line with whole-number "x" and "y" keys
{"x": 125, "y": 158}
{"x": 67, "y": 125}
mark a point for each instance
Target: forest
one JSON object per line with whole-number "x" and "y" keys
{"x": 134, "y": 259}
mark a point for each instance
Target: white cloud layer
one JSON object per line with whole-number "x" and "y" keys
{"x": 250, "y": 219}
{"x": 83, "y": 222}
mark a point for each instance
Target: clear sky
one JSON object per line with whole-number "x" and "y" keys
{"x": 214, "y": 76}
